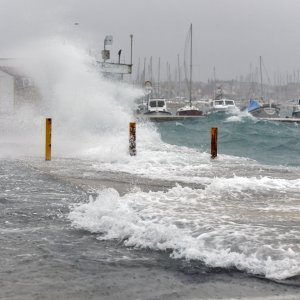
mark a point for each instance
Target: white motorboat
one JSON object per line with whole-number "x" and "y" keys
{"x": 296, "y": 110}
{"x": 223, "y": 105}
{"x": 157, "y": 107}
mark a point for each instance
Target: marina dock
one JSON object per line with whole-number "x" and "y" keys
{"x": 286, "y": 120}
{"x": 167, "y": 118}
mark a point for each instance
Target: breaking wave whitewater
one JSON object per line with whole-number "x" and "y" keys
{"x": 86, "y": 109}
{"x": 231, "y": 223}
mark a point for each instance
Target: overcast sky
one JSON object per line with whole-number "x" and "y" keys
{"x": 227, "y": 34}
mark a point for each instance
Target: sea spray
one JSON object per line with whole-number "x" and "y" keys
{"x": 87, "y": 110}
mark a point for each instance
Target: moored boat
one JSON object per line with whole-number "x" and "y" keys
{"x": 190, "y": 110}
{"x": 296, "y": 110}
{"x": 157, "y": 107}
{"x": 261, "y": 110}
{"x": 223, "y": 105}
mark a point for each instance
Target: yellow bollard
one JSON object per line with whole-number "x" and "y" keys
{"x": 48, "y": 138}
{"x": 214, "y": 142}
{"x": 132, "y": 138}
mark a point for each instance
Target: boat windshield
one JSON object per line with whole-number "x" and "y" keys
{"x": 160, "y": 103}
{"x": 229, "y": 102}
{"x": 219, "y": 102}
{"x": 157, "y": 103}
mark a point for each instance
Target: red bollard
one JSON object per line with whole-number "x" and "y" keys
{"x": 132, "y": 138}
{"x": 214, "y": 143}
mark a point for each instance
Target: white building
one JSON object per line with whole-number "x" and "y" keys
{"x": 7, "y": 92}
{"x": 16, "y": 88}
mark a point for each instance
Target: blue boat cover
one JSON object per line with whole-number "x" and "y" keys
{"x": 254, "y": 104}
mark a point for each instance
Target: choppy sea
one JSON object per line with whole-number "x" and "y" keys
{"x": 236, "y": 214}
{"x": 242, "y": 212}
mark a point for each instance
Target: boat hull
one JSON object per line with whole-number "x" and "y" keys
{"x": 266, "y": 111}
{"x": 233, "y": 109}
{"x": 167, "y": 118}
{"x": 259, "y": 110}
{"x": 157, "y": 113}
{"x": 296, "y": 114}
{"x": 191, "y": 112}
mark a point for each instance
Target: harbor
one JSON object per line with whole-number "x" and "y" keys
{"x": 149, "y": 150}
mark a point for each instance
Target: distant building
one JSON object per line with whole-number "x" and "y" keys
{"x": 15, "y": 87}
{"x": 7, "y": 92}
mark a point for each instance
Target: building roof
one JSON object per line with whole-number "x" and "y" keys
{"x": 11, "y": 71}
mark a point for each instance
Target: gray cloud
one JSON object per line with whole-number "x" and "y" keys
{"x": 228, "y": 34}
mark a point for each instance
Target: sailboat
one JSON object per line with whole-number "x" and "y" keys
{"x": 190, "y": 110}
{"x": 296, "y": 110}
{"x": 263, "y": 110}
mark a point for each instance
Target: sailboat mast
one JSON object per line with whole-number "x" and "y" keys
{"x": 191, "y": 63}
{"x": 179, "y": 77}
{"x": 261, "y": 79}
{"x": 158, "y": 78}
{"x": 138, "y": 73}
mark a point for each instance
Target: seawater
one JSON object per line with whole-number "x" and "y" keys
{"x": 244, "y": 216}
{"x": 239, "y": 212}
{"x": 242, "y": 135}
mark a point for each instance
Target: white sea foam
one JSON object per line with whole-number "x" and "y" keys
{"x": 158, "y": 160}
{"x": 222, "y": 226}
{"x": 240, "y": 116}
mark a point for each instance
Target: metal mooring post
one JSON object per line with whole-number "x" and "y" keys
{"x": 214, "y": 143}
{"x": 48, "y": 138}
{"x": 132, "y": 138}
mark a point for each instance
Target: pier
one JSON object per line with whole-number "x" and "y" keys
{"x": 167, "y": 118}
{"x": 286, "y": 120}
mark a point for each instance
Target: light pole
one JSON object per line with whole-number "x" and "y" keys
{"x": 131, "y": 37}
